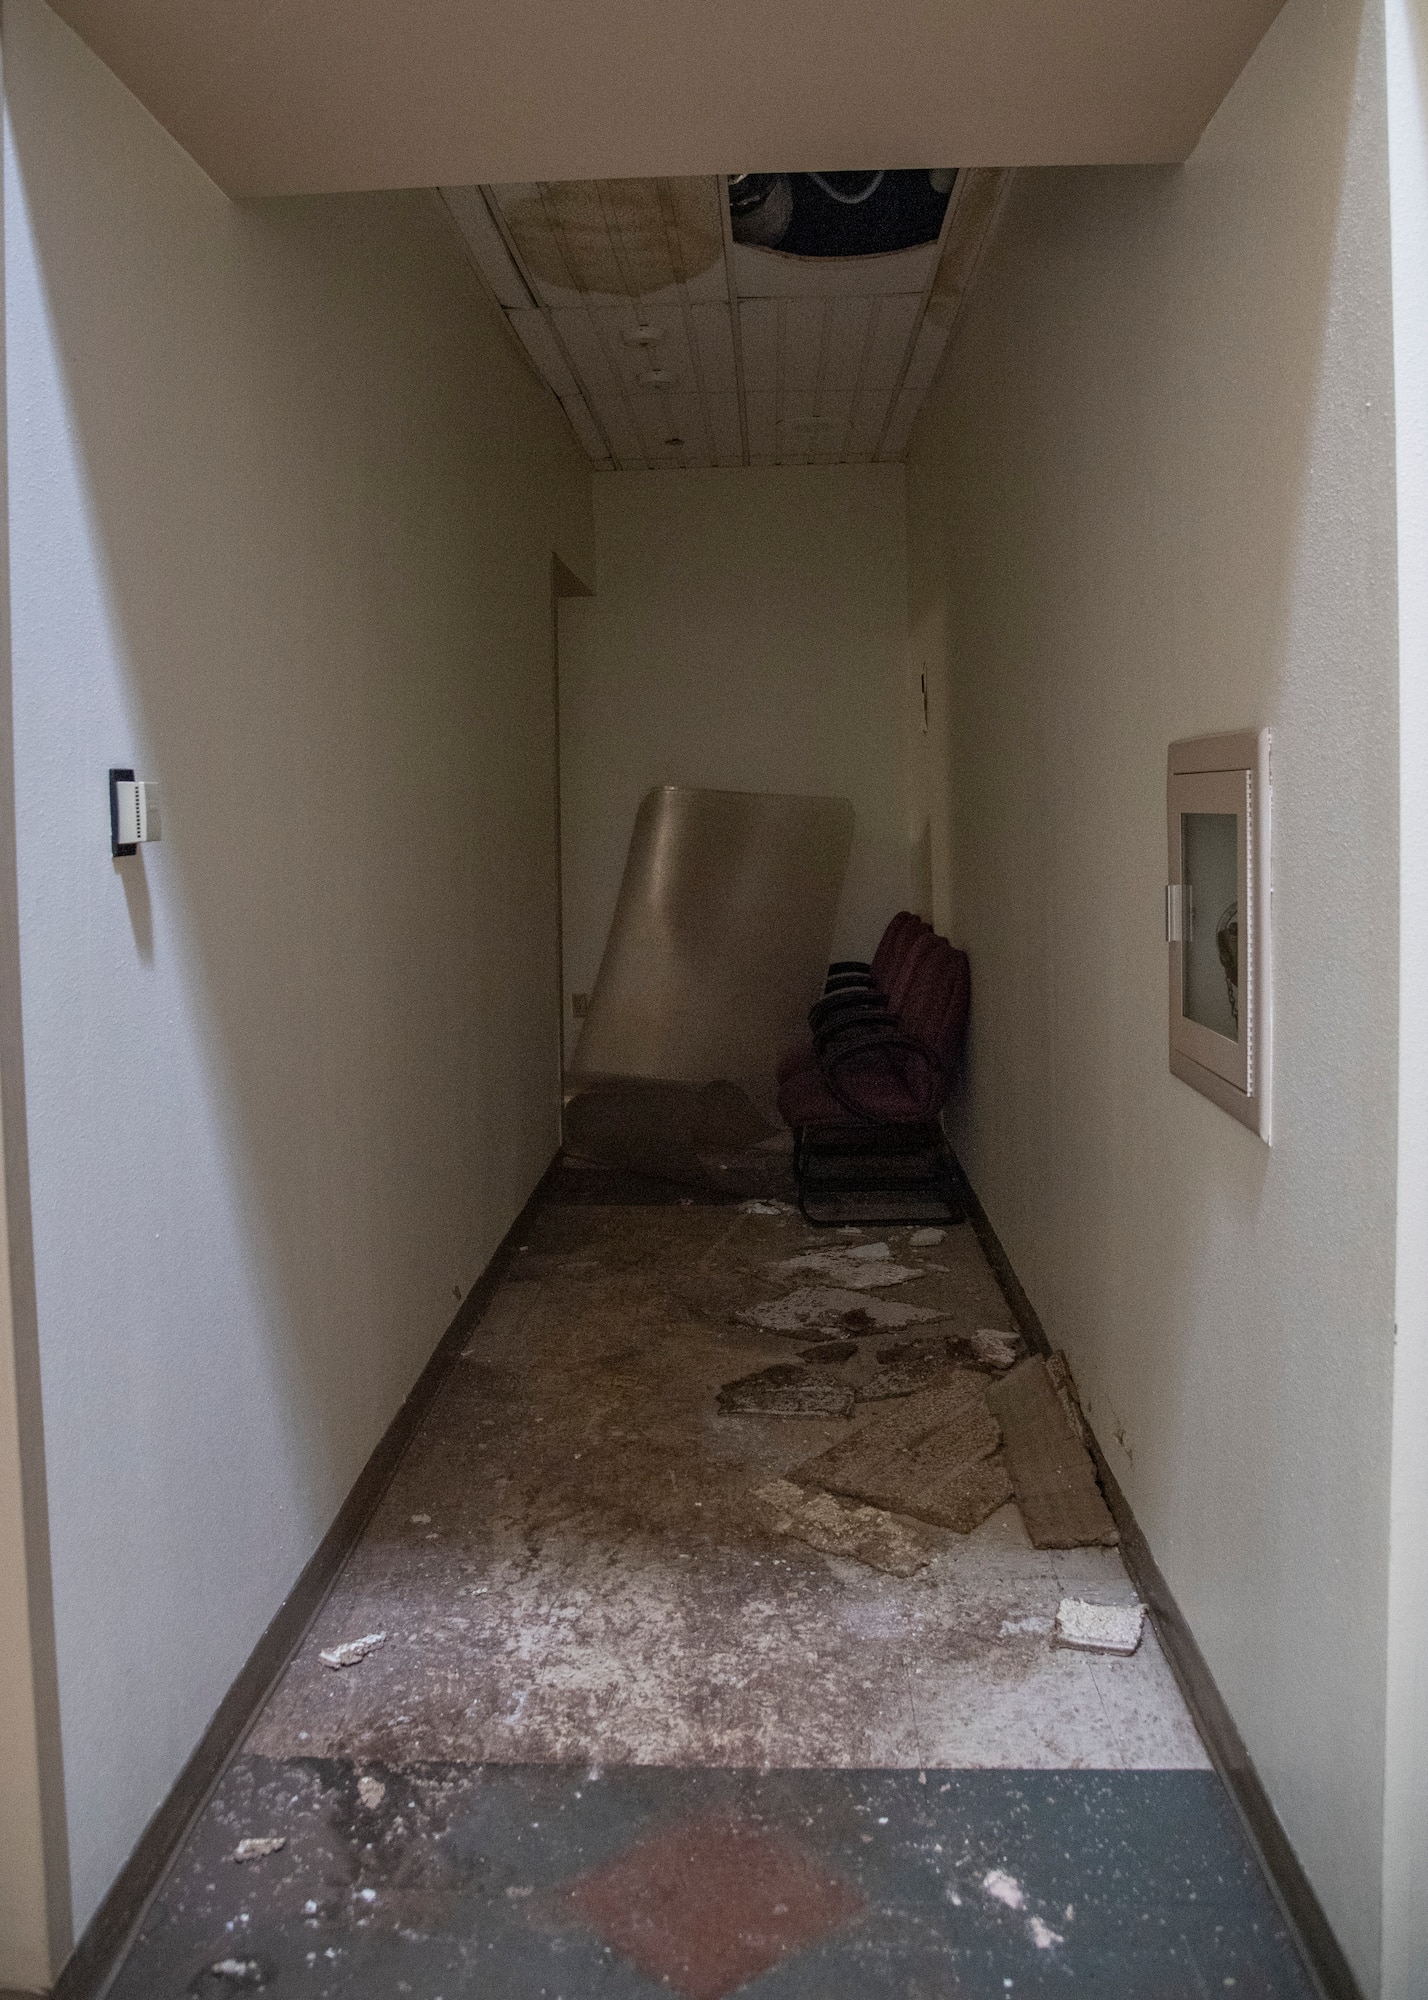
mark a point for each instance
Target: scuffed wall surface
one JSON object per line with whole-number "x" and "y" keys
{"x": 748, "y": 635}
{"x": 1155, "y": 500}
{"x": 284, "y": 503}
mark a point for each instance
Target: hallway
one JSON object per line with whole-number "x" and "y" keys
{"x": 620, "y": 1733}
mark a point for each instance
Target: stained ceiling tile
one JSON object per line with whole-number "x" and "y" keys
{"x": 829, "y": 361}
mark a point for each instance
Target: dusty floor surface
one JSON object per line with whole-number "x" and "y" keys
{"x": 606, "y": 1683}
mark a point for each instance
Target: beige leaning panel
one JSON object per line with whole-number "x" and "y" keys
{"x": 720, "y": 937}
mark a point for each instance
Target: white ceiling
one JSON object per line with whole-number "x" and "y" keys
{"x": 668, "y": 344}
{"x": 329, "y": 96}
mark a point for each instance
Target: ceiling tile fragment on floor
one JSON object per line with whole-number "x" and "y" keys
{"x": 669, "y": 344}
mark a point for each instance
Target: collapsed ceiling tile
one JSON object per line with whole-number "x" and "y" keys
{"x": 773, "y": 319}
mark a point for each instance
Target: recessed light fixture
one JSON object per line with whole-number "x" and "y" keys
{"x": 658, "y": 378}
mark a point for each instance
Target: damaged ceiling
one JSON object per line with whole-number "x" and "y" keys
{"x": 679, "y": 329}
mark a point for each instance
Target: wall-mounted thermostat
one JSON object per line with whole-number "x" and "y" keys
{"x": 1217, "y": 921}
{"x": 133, "y": 812}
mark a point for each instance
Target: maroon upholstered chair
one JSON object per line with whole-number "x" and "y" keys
{"x": 880, "y": 1059}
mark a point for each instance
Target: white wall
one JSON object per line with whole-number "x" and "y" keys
{"x": 748, "y": 635}
{"x": 1405, "y": 1908}
{"x": 1154, "y": 498}
{"x": 284, "y": 500}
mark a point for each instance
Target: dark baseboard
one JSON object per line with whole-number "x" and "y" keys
{"x": 97, "y": 1955}
{"x": 1302, "y": 1909}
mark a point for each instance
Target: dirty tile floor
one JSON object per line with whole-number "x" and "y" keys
{"x": 620, "y": 1738}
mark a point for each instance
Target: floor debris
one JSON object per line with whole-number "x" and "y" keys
{"x": 1031, "y": 1624}
{"x": 903, "y": 1370}
{"x": 353, "y": 1650}
{"x": 1099, "y": 1628}
{"x": 257, "y": 1846}
{"x": 847, "y": 1528}
{"x": 767, "y": 1208}
{"x": 829, "y": 1351}
{"x": 1042, "y": 1935}
{"x": 933, "y": 1456}
{"x": 371, "y": 1791}
{"x": 1051, "y": 1469}
{"x": 834, "y": 1310}
{"x": 996, "y": 1348}
{"x": 785, "y": 1390}
{"x": 857, "y": 1270}
{"x": 924, "y": 1239}
{"x": 1058, "y": 1373}
{"x": 1004, "y": 1888}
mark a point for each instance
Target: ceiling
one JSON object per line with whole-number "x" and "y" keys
{"x": 324, "y": 96}
{"x": 671, "y": 344}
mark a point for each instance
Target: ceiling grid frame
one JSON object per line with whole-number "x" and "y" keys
{"x": 759, "y": 351}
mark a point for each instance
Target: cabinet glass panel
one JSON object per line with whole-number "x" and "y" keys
{"x": 1209, "y": 846}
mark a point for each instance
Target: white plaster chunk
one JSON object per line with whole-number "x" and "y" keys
{"x": 352, "y": 1650}
{"x": 1032, "y": 1624}
{"x": 1099, "y": 1628}
{"x": 256, "y": 1846}
{"x": 833, "y": 1309}
{"x": 371, "y": 1791}
{"x": 248, "y": 1970}
{"x": 923, "y": 1239}
{"x": 1004, "y": 1888}
{"x": 1042, "y": 1935}
{"x": 863, "y": 1268}
{"x": 765, "y": 1208}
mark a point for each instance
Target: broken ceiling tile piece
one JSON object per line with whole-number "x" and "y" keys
{"x": 1051, "y": 1469}
{"x": 371, "y": 1791}
{"x": 923, "y": 1239}
{"x": 766, "y": 1208}
{"x": 932, "y": 1456}
{"x": 837, "y": 1527}
{"x": 255, "y": 1847}
{"x": 352, "y": 1650}
{"x": 905, "y": 1369}
{"x": 785, "y": 1390}
{"x": 1099, "y": 1628}
{"x": 995, "y": 1348}
{"x": 834, "y": 1310}
{"x": 854, "y": 1269}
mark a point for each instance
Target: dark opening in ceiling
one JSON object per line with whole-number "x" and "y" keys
{"x": 839, "y": 215}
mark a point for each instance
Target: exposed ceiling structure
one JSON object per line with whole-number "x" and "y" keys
{"x": 328, "y": 96}
{"x": 670, "y": 342}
